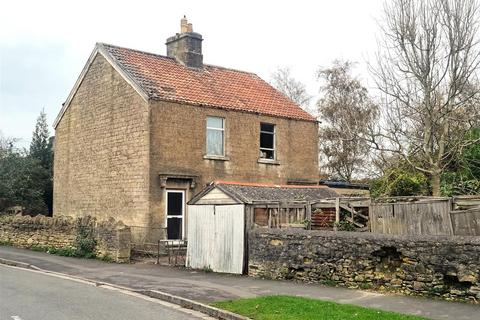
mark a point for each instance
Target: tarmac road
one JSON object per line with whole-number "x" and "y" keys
{"x": 207, "y": 287}
{"x": 32, "y": 295}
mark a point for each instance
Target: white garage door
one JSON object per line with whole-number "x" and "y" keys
{"x": 216, "y": 237}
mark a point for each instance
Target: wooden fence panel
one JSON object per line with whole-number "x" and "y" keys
{"x": 466, "y": 222}
{"x": 428, "y": 218}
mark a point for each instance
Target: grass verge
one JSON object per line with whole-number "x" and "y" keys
{"x": 288, "y": 307}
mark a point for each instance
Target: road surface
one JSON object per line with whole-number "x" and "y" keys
{"x": 31, "y": 295}
{"x": 209, "y": 287}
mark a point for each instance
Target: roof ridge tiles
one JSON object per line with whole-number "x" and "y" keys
{"x": 268, "y": 185}
{"x": 135, "y": 50}
{"x": 172, "y": 58}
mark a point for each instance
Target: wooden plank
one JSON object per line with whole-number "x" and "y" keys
{"x": 466, "y": 222}
{"x": 308, "y": 214}
{"x": 229, "y": 239}
{"x": 412, "y": 218}
{"x": 201, "y": 236}
{"x": 466, "y": 202}
{"x": 269, "y": 217}
{"x": 349, "y": 219}
{"x": 361, "y": 215}
{"x": 324, "y": 205}
{"x": 337, "y": 212}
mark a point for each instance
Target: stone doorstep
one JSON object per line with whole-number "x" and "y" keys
{"x": 182, "y": 302}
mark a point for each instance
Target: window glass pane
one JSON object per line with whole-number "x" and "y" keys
{"x": 174, "y": 204}
{"x": 267, "y": 127}
{"x": 215, "y": 122}
{"x": 266, "y": 140}
{"x": 215, "y": 142}
{"x": 174, "y": 228}
{"x": 267, "y": 154}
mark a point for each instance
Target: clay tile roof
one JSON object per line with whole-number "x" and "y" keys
{"x": 162, "y": 78}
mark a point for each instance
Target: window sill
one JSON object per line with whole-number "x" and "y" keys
{"x": 219, "y": 158}
{"x": 268, "y": 161}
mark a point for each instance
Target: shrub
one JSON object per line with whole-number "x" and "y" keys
{"x": 344, "y": 226}
{"x": 84, "y": 242}
{"x": 400, "y": 182}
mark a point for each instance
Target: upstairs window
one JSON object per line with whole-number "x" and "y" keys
{"x": 215, "y": 136}
{"x": 267, "y": 141}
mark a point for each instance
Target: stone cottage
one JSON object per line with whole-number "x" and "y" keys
{"x": 141, "y": 133}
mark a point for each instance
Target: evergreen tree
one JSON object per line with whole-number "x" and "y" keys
{"x": 40, "y": 147}
{"x": 23, "y": 180}
{"x": 41, "y": 150}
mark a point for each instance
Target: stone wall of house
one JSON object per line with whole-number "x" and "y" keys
{"x": 178, "y": 145}
{"x": 111, "y": 146}
{"x": 447, "y": 267}
{"x": 112, "y": 238}
{"x": 101, "y": 150}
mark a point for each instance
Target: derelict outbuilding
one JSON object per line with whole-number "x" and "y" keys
{"x": 221, "y": 215}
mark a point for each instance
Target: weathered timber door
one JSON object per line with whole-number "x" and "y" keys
{"x": 216, "y": 238}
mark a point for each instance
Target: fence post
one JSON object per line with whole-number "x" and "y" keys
{"x": 308, "y": 214}
{"x": 450, "y": 209}
{"x": 337, "y": 213}
{"x": 158, "y": 252}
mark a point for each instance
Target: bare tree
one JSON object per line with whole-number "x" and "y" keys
{"x": 284, "y": 82}
{"x": 346, "y": 111}
{"x": 427, "y": 72}
{"x": 7, "y": 145}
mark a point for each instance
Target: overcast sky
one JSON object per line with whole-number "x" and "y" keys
{"x": 45, "y": 44}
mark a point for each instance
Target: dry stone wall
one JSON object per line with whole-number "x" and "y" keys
{"x": 446, "y": 267}
{"x": 112, "y": 237}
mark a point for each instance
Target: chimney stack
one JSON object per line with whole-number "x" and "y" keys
{"x": 186, "y": 46}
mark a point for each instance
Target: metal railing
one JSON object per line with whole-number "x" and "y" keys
{"x": 145, "y": 240}
{"x": 151, "y": 242}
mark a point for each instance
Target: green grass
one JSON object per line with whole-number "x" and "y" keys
{"x": 287, "y": 307}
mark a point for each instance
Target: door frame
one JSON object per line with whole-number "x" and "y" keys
{"x": 167, "y": 191}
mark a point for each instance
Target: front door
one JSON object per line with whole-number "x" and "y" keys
{"x": 175, "y": 214}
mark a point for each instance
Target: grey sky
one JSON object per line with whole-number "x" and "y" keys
{"x": 44, "y": 44}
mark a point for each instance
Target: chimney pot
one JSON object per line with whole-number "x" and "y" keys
{"x": 189, "y": 27}
{"x": 184, "y": 25}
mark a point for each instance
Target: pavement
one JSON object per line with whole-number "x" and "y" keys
{"x": 27, "y": 294}
{"x": 208, "y": 287}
